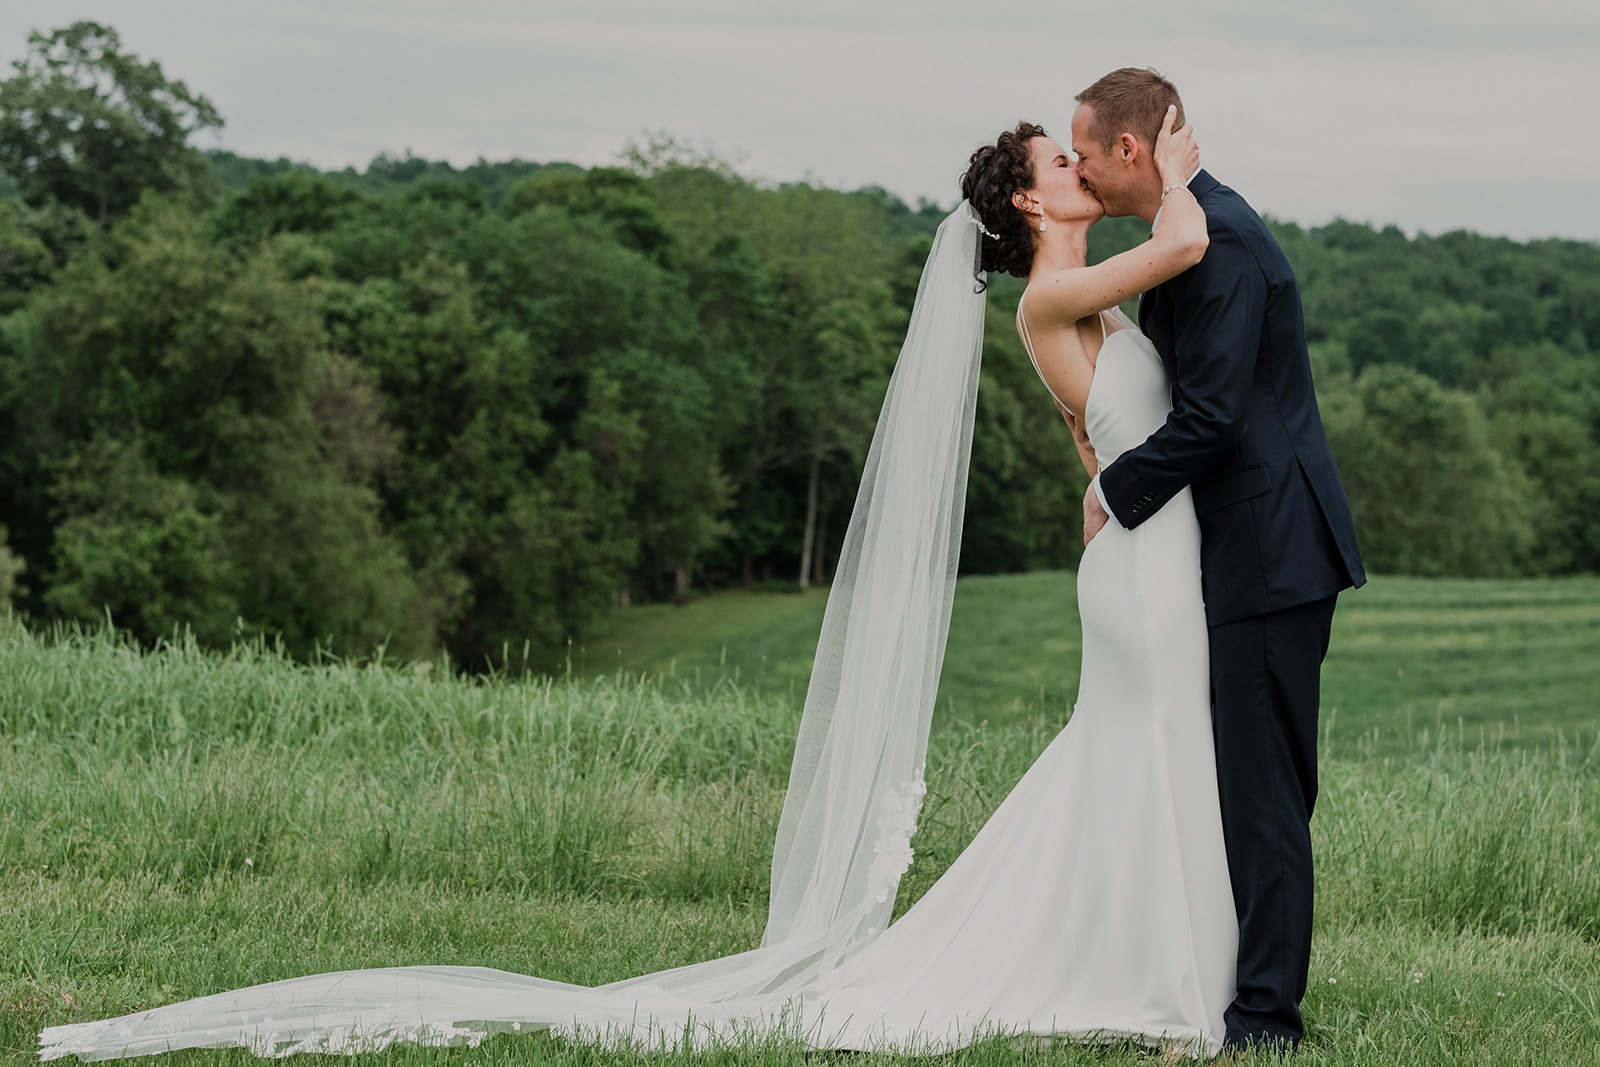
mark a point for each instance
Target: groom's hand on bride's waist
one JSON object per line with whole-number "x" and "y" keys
{"x": 1095, "y": 515}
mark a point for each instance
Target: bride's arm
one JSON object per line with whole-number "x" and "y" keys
{"x": 1178, "y": 243}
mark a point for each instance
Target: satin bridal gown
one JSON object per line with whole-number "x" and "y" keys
{"x": 1094, "y": 905}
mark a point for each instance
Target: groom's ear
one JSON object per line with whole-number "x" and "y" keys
{"x": 1128, "y": 148}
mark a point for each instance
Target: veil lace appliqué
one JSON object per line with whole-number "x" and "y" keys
{"x": 891, "y": 852}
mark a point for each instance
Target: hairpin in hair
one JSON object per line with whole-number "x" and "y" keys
{"x": 972, "y": 214}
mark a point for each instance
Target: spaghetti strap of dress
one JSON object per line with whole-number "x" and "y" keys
{"x": 1027, "y": 343}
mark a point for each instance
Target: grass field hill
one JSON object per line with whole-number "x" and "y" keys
{"x": 175, "y": 822}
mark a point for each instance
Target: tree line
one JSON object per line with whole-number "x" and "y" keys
{"x": 429, "y": 407}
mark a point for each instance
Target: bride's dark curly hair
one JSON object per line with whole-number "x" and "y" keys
{"x": 994, "y": 172}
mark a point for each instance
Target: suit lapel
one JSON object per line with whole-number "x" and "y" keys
{"x": 1155, "y": 322}
{"x": 1155, "y": 318}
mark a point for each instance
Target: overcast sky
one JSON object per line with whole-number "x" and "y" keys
{"x": 1430, "y": 114}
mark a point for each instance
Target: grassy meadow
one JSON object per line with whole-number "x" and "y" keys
{"x": 1513, "y": 660}
{"x": 178, "y": 823}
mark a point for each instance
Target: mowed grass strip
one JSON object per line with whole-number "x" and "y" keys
{"x": 1518, "y": 658}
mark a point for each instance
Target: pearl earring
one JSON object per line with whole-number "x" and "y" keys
{"x": 1042, "y": 225}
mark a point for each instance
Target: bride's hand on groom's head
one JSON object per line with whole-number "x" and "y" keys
{"x": 1177, "y": 154}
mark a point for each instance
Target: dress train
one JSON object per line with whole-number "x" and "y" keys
{"x": 1094, "y": 904}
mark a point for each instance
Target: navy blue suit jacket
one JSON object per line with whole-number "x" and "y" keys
{"x": 1244, "y": 430}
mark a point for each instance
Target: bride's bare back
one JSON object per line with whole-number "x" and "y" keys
{"x": 1065, "y": 360}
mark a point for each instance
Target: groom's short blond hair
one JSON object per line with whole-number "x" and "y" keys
{"x": 1131, "y": 100}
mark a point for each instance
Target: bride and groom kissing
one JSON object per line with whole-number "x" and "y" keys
{"x": 1150, "y": 877}
{"x": 1243, "y": 440}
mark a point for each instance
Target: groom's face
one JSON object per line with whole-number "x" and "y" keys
{"x": 1101, "y": 172}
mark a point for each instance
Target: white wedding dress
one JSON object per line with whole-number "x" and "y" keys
{"x": 1094, "y": 905}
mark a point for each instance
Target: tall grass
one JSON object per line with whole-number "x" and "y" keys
{"x": 1488, "y": 840}
{"x": 175, "y": 822}
{"x": 181, "y": 766}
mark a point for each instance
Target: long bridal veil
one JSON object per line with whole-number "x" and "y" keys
{"x": 854, "y": 792}
{"x": 856, "y": 786}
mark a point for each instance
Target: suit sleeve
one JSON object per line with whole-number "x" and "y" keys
{"x": 1219, "y": 308}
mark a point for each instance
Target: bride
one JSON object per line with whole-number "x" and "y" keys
{"x": 1095, "y": 903}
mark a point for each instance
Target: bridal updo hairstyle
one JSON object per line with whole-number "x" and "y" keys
{"x": 994, "y": 173}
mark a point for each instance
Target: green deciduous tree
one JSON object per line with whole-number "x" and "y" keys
{"x": 1430, "y": 493}
{"x": 25, "y": 259}
{"x": 620, "y": 199}
{"x": 555, "y": 410}
{"x": 90, "y": 126}
{"x": 1544, "y": 407}
{"x": 199, "y": 436}
{"x": 11, "y": 568}
{"x": 291, "y": 202}
{"x": 139, "y": 547}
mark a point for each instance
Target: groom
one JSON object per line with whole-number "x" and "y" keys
{"x": 1277, "y": 544}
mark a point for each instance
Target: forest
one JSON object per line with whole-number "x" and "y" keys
{"x": 421, "y": 407}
